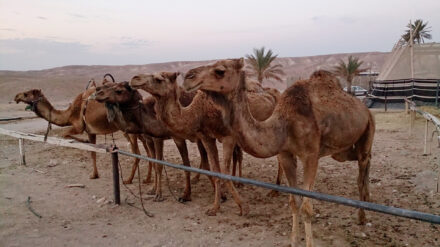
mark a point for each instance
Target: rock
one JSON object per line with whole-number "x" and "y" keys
{"x": 369, "y": 224}
{"x": 100, "y": 200}
{"x": 94, "y": 197}
{"x": 52, "y": 163}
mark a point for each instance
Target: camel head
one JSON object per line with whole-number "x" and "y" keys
{"x": 117, "y": 93}
{"x": 29, "y": 97}
{"x": 222, "y": 76}
{"x": 158, "y": 84}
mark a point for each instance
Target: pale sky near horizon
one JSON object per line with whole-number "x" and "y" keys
{"x": 53, "y": 33}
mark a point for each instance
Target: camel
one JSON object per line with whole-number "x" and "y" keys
{"x": 199, "y": 120}
{"x": 314, "y": 118}
{"x": 82, "y": 116}
{"x": 133, "y": 115}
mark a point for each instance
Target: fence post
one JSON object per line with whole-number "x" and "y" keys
{"x": 436, "y": 93}
{"x": 116, "y": 188}
{"x": 425, "y": 148}
{"x": 21, "y": 148}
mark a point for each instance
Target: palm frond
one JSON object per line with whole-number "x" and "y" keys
{"x": 261, "y": 61}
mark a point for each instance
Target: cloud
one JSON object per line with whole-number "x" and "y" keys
{"x": 7, "y": 29}
{"x": 77, "y": 15}
{"x": 42, "y": 18}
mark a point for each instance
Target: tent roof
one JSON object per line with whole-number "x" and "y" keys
{"x": 426, "y": 62}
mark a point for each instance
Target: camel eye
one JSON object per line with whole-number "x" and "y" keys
{"x": 157, "y": 80}
{"x": 219, "y": 72}
{"x": 25, "y": 95}
{"x": 190, "y": 76}
{"x": 119, "y": 92}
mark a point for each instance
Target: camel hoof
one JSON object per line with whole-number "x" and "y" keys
{"x": 184, "y": 199}
{"x": 94, "y": 176}
{"x": 273, "y": 193}
{"x": 146, "y": 181}
{"x": 244, "y": 210}
{"x": 158, "y": 198}
{"x": 127, "y": 181}
{"x": 211, "y": 212}
{"x": 151, "y": 192}
{"x": 238, "y": 185}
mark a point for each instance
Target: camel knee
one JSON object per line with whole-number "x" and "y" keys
{"x": 307, "y": 209}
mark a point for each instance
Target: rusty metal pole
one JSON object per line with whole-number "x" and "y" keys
{"x": 116, "y": 188}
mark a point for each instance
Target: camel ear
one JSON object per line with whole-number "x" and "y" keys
{"x": 36, "y": 92}
{"x": 173, "y": 76}
{"x": 240, "y": 63}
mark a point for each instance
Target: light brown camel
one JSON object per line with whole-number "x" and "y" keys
{"x": 82, "y": 115}
{"x": 131, "y": 114}
{"x": 314, "y": 118}
{"x": 200, "y": 120}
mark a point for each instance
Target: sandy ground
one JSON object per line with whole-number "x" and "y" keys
{"x": 400, "y": 176}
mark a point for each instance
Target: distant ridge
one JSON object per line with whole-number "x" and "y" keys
{"x": 67, "y": 81}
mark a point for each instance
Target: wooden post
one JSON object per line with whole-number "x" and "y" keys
{"x": 406, "y": 107}
{"x": 436, "y": 93}
{"x": 116, "y": 188}
{"x": 21, "y": 148}
{"x": 425, "y": 148}
{"x": 413, "y": 118}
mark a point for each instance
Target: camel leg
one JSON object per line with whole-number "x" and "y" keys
{"x": 228, "y": 149}
{"x": 183, "y": 150}
{"x": 310, "y": 170}
{"x": 211, "y": 149}
{"x": 92, "y": 139}
{"x": 363, "y": 148}
{"x": 148, "y": 144}
{"x": 158, "y": 145}
{"x": 288, "y": 163}
{"x": 203, "y": 163}
{"x": 134, "y": 149}
{"x": 237, "y": 158}
{"x": 274, "y": 193}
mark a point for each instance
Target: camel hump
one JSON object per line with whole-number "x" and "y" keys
{"x": 322, "y": 74}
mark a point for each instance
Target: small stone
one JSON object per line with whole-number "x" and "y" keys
{"x": 101, "y": 200}
{"x": 369, "y": 224}
{"x": 52, "y": 163}
{"x": 394, "y": 191}
{"x": 94, "y": 197}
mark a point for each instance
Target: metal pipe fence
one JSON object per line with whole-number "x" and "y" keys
{"x": 426, "y": 217}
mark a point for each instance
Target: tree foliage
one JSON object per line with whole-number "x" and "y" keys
{"x": 421, "y": 31}
{"x": 261, "y": 61}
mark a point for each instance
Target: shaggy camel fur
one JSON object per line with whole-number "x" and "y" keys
{"x": 93, "y": 120}
{"x": 133, "y": 115}
{"x": 314, "y": 118}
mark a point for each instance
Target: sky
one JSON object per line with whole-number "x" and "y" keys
{"x": 41, "y": 34}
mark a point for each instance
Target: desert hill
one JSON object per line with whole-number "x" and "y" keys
{"x": 64, "y": 83}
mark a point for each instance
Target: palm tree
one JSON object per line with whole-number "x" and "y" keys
{"x": 260, "y": 62}
{"x": 420, "y": 31}
{"x": 349, "y": 70}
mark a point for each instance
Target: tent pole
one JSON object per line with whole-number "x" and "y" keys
{"x": 436, "y": 93}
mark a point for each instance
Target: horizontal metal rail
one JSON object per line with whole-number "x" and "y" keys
{"x": 431, "y": 218}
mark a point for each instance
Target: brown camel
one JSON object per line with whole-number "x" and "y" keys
{"x": 199, "y": 120}
{"x": 132, "y": 115}
{"x": 82, "y": 115}
{"x": 313, "y": 119}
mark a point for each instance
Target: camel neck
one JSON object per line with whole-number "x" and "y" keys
{"x": 260, "y": 138}
{"x": 44, "y": 109}
{"x": 177, "y": 118}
